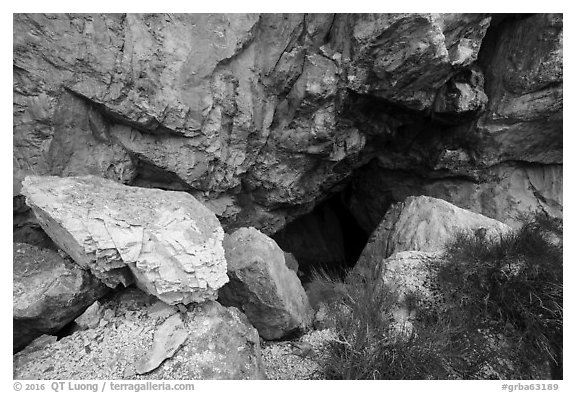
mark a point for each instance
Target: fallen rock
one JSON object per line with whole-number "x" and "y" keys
{"x": 422, "y": 224}
{"x": 221, "y": 344}
{"x": 49, "y": 291}
{"x": 166, "y": 241}
{"x": 262, "y": 286}
{"x": 167, "y": 340}
{"x": 161, "y": 310}
{"x": 316, "y": 239}
{"x": 91, "y": 317}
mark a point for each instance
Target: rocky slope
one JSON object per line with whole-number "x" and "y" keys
{"x": 133, "y": 335}
{"x": 263, "y": 116}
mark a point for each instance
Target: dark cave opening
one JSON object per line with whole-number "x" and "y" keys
{"x": 327, "y": 239}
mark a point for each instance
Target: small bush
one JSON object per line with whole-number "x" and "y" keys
{"x": 512, "y": 286}
{"x": 502, "y": 310}
{"x": 370, "y": 346}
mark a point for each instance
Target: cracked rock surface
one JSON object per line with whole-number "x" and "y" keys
{"x": 262, "y": 286}
{"x": 422, "y": 224}
{"x": 262, "y": 116}
{"x": 49, "y": 291}
{"x": 165, "y": 241}
{"x": 220, "y": 344}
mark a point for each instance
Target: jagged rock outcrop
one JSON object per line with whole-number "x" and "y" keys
{"x": 165, "y": 241}
{"x": 262, "y": 286}
{"x": 406, "y": 58}
{"x": 422, "y": 224}
{"x": 48, "y": 291}
{"x": 251, "y": 113}
{"x": 524, "y": 75}
{"x": 220, "y": 344}
{"x": 504, "y": 162}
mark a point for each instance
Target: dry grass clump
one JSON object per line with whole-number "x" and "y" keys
{"x": 501, "y": 317}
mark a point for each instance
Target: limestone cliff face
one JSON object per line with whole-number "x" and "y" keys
{"x": 263, "y": 116}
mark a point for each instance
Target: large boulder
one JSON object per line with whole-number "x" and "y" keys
{"x": 49, "y": 291}
{"x": 423, "y": 224}
{"x": 165, "y": 241}
{"x": 140, "y": 337}
{"x": 261, "y": 285}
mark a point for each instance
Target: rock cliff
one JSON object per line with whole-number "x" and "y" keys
{"x": 263, "y": 116}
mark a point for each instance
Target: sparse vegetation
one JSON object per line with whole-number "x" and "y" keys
{"x": 501, "y": 314}
{"x": 512, "y": 286}
{"x": 370, "y": 346}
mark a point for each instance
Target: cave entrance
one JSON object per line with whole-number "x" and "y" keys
{"x": 327, "y": 239}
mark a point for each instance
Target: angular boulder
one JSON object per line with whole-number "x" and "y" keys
{"x": 425, "y": 224}
{"x": 166, "y": 241}
{"x": 261, "y": 285}
{"x": 49, "y": 291}
{"x": 208, "y": 341}
{"x": 90, "y": 318}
